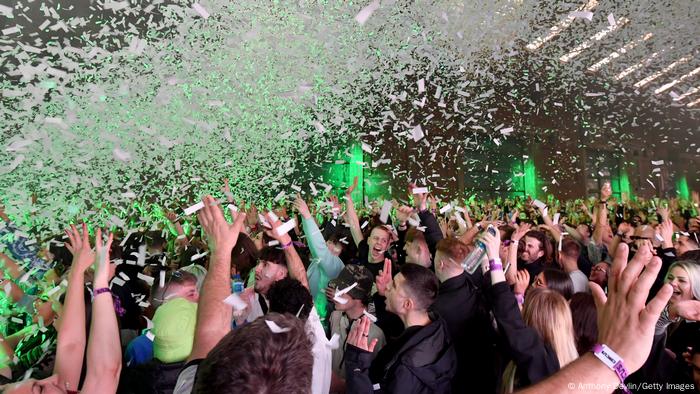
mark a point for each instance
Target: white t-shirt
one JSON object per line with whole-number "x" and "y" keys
{"x": 323, "y": 354}
{"x": 580, "y": 281}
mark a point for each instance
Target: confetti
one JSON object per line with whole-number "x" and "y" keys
{"x": 275, "y": 328}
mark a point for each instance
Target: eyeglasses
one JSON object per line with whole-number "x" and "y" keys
{"x": 636, "y": 238}
{"x": 600, "y": 269}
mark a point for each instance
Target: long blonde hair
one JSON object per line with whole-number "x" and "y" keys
{"x": 549, "y": 314}
{"x": 693, "y": 270}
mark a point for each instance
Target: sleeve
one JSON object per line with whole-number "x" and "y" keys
{"x": 331, "y": 264}
{"x": 524, "y": 344}
{"x": 433, "y": 234}
{"x": 403, "y": 381}
{"x": 357, "y": 363}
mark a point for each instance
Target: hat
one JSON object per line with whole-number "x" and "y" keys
{"x": 173, "y": 327}
{"x": 354, "y": 273}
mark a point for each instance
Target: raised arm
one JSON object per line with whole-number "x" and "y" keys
{"x": 70, "y": 347}
{"x": 625, "y": 325}
{"x": 331, "y": 264}
{"x": 104, "y": 353}
{"x": 295, "y": 266}
{"x": 351, "y": 215}
{"x": 213, "y": 315}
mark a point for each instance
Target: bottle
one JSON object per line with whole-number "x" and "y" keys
{"x": 237, "y": 284}
{"x": 473, "y": 260}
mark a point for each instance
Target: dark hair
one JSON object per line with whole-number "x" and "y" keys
{"x": 559, "y": 281}
{"x": 155, "y": 239}
{"x": 570, "y": 248}
{"x": 507, "y": 232}
{"x": 62, "y": 257}
{"x": 454, "y": 249}
{"x": 422, "y": 284}
{"x": 585, "y": 319}
{"x": 347, "y": 244}
{"x": 545, "y": 245}
{"x": 244, "y": 256}
{"x": 254, "y": 360}
{"x": 290, "y": 296}
{"x": 273, "y": 255}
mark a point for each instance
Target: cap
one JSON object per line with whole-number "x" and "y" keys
{"x": 354, "y": 273}
{"x": 173, "y": 327}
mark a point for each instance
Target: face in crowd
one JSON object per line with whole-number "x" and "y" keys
{"x": 532, "y": 251}
{"x": 680, "y": 281}
{"x": 378, "y": 243}
{"x": 599, "y": 274}
{"x": 267, "y": 273}
{"x": 684, "y": 244}
{"x": 397, "y": 298}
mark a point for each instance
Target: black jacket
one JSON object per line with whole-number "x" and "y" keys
{"x": 460, "y": 304}
{"x": 534, "y": 359}
{"x": 426, "y": 363}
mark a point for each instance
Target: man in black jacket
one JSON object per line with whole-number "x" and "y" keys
{"x": 460, "y": 304}
{"x": 421, "y": 360}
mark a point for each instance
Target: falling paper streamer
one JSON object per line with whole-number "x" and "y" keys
{"x": 275, "y": 328}
{"x": 161, "y": 279}
{"x": 340, "y": 300}
{"x": 194, "y": 208}
{"x": 366, "y": 12}
{"x": 445, "y": 209}
{"x": 611, "y": 20}
{"x": 384, "y": 214}
{"x": 420, "y": 190}
{"x": 286, "y": 227}
{"x": 235, "y": 301}
{"x": 200, "y": 10}
{"x": 582, "y": 14}
{"x": 346, "y": 290}
{"x": 417, "y": 133}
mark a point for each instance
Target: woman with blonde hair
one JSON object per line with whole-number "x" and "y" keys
{"x": 541, "y": 340}
{"x": 684, "y": 277}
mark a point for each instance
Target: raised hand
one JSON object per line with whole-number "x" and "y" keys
{"x": 103, "y": 270}
{"x": 172, "y": 216}
{"x": 402, "y": 214}
{"x": 227, "y": 191}
{"x": 384, "y": 277}
{"x": 221, "y": 235}
{"x": 252, "y": 215}
{"x": 522, "y": 281}
{"x": 625, "y": 323}
{"x": 352, "y": 188}
{"x": 666, "y": 232}
{"x": 283, "y": 239}
{"x": 301, "y": 207}
{"x": 79, "y": 245}
{"x": 419, "y": 199}
{"x": 605, "y": 191}
{"x": 492, "y": 243}
{"x": 520, "y": 231}
{"x": 359, "y": 334}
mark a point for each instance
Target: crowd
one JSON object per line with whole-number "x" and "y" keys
{"x": 409, "y": 296}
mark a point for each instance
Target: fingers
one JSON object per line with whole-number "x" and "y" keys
{"x": 599, "y": 296}
{"x": 634, "y": 267}
{"x": 651, "y": 313}
{"x": 640, "y": 290}
{"x": 372, "y": 345}
{"x": 618, "y": 265}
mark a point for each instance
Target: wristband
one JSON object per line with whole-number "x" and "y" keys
{"x": 285, "y": 246}
{"x": 97, "y": 292}
{"x": 495, "y": 265}
{"x": 514, "y": 241}
{"x": 613, "y": 361}
{"x": 520, "y": 298}
{"x": 479, "y": 227}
